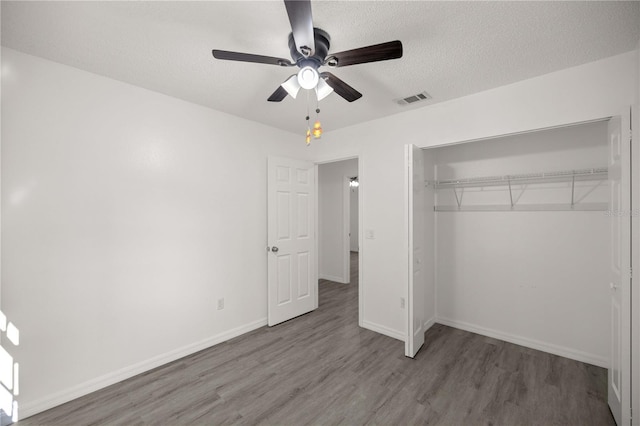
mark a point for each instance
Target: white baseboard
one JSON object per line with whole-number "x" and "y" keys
{"x": 527, "y": 342}
{"x": 393, "y": 333}
{"x": 333, "y": 278}
{"x": 429, "y": 323}
{"x": 30, "y": 408}
{"x": 383, "y": 330}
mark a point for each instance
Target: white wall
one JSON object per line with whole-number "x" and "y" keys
{"x": 533, "y": 278}
{"x": 591, "y": 91}
{"x": 126, "y": 215}
{"x": 333, "y": 244}
{"x": 353, "y": 220}
{"x": 135, "y": 188}
{"x": 635, "y": 343}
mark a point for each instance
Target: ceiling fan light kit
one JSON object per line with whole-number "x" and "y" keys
{"x": 308, "y": 78}
{"x": 309, "y": 50}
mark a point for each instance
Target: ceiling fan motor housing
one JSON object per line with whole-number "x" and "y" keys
{"x": 322, "y": 41}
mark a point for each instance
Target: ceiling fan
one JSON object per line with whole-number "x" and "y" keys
{"x": 309, "y": 49}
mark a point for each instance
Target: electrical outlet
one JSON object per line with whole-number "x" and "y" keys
{"x": 402, "y": 302}
{"x": 220, "y": 304}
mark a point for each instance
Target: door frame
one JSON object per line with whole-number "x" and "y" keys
{"x": 635, "y": 262}
{"x": 619, "y": 395}
{"x": 346, "y": 227}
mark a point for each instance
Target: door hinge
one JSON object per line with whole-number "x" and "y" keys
{"x": 631, "y": 273}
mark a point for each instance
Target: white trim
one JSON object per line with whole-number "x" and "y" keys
{"x": 435, "y": 258}
{"x": 333, "y": 278}
{"x": 635, "y": 260}
{"x": 429, "y": 323}
{"x": 399, "y": 335}
{"x": 316, "y": 266}
{"x": 28, "y": 409}
{"x": 407, "y": 255}
{"x": 527, "y": 342}
{"x": 336, "y": 159}
{"x": 346, "y": 231}
{"x": 360, "y": 244}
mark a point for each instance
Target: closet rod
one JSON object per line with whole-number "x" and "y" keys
{"x": 600, "y": 173}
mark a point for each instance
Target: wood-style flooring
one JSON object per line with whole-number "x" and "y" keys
{"x": 322, "y": 368}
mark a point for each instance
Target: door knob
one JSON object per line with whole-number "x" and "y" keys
{"x": 274, "y": 249}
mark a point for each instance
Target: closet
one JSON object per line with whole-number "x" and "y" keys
{"x": 521, "y": 239}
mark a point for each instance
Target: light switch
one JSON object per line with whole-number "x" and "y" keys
{"x": 369, "y": 234}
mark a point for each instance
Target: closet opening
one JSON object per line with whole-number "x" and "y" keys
{"x": 527, "y": 240}
{"x": 522, "y": 239}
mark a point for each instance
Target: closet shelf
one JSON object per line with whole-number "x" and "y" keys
{"x": 588, "y": 207}
{"x": 600, "y": 173}
{"x": 523, "y": 181}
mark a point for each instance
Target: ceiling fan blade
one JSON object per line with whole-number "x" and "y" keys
{"x": 278, "y": 95}
{"x": 299, "y": 12}
{"x": 340, "y": 87}
{"x": 248, "y": 57}
{"x": 374, "y": 53}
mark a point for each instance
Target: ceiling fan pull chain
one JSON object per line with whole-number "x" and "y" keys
{"x": 317, "y": 127}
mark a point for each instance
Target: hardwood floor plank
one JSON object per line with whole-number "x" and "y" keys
{"x": 321, "y": 368}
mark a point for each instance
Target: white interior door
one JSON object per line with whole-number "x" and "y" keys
{"x": 415, "y": 230}
{"x": 619, "y": 374}
{"x": 292, "y": 269}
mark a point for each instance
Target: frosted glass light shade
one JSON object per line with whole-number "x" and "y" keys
{"x": 291, "y": 86}
{"x": 323, "y": 89}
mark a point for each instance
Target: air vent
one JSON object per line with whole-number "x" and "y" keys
{"x": 423, "y": 96}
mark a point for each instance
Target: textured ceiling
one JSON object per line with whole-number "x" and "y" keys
{"x": 451, "y": 49}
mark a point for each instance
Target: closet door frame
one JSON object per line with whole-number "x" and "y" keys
{"x": 635, "y": 263}
{"x": 621, "y": 213}
{"x": 634, "y": 303}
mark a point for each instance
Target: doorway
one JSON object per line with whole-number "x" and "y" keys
{"x": 338, "y": 230}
